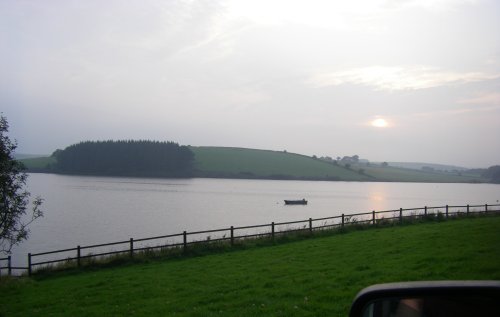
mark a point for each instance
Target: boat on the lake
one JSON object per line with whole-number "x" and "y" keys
{"x": 296, "y": 202}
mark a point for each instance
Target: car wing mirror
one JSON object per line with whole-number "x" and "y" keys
{"x": 428, "y": 299}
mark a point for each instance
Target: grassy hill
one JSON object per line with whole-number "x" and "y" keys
{"x": 419, "y": 166}
{"x": 398, "y": 174}
{"x": 251, "y": 163}
{"x": 313, "y": 277}
{"x": 229, "y": 162}
{"x": 38, "y": 163}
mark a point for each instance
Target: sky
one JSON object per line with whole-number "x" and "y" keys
{"x": 410, "y": 81}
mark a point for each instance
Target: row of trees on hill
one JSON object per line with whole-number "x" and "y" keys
{"x": 492, "y": 173}
{"x": 125, "y": 158}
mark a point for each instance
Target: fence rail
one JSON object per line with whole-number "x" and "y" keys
{"x": 230, "y": 234}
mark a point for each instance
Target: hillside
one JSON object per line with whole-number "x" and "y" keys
{"x": 398, "y": 174}
{"x": 420, "y": 166}
{"x": 38, "y": 164}
{"x": 230, "y": 162}
{"x": 22, "y": 156}
{"x": 251, "y": 163}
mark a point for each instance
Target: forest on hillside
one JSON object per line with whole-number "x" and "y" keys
{"x": 125, "y": 158}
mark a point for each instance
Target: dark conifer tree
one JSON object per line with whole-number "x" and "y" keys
{"x": 126, "y": 158}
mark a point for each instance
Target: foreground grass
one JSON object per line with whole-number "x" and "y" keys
{"x": 314, "y": 277}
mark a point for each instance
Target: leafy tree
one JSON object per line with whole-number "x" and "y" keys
{"x": 14, "y": 199}
{"x": 350, "y": 159}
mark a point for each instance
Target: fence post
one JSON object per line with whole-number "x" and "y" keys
{"x": 272, "y": 230}
{"x": 232, "y": 235}
{"x": 9, "y": 265}
{"x": 184, "y": 234}
{"x": 310, "y": 225}
{"x": 446, "y": 211}
{"x": 29, "y": 264}
{"x": 373, "y": 217}
{"x": 131, "y": 247}
{"x": 486, "y": 208}
{"x": 342, "y": 221}
{"x": 467, "y": 209}
{"x": 78, "y": 256}
{"x": 425, "y": 211}
{"x": 400, "y": 215}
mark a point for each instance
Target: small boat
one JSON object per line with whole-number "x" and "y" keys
{"x": 296, "y": 202}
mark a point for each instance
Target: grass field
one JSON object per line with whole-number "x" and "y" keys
{"x": 313, "y": 277}
{"x": 38, "y": 162}
{"x": 220, "y": 161}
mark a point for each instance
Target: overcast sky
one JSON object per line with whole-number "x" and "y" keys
{"x": 415, "y": 81}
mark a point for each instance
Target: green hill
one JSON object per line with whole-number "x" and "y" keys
{"x": 36, "y": 164}
{"x": 251, "y": 163}
{"x": 398, "y": 174}
{"x": 230, "y": 162}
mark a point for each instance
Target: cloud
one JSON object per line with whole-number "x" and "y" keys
{"x": 430, "y": 5}
{"x": 391, "y": 78}
{"x": 483, "y": 98}
{"x": 458, "y": 111}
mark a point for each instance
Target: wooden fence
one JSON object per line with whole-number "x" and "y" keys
{"x": 231, "y": 234}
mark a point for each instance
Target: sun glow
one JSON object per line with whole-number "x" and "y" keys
{"x": 380, "y": 123}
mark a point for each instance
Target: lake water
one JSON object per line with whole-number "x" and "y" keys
{"x": 91, "y": 210}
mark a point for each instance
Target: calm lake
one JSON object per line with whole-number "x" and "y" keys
{"x": 91, "y": 210}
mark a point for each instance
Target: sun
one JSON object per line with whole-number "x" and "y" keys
{"x": 380, "y": 123}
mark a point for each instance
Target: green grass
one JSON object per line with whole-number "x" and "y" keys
{"x": 239, "y": 162}
{"x": 248, "y": 163}
{"x": 38, "y": 162}
{"x": 313, "y": 277}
